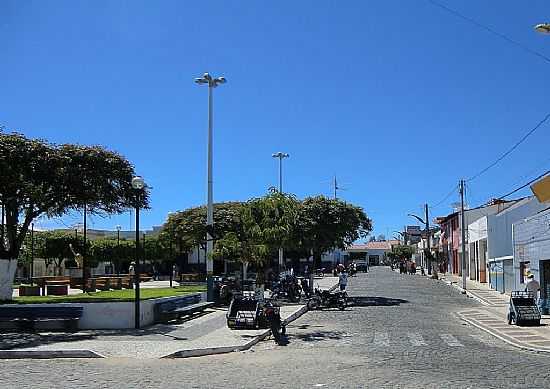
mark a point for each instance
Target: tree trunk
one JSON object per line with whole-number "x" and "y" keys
{"x": 7, "y": 275}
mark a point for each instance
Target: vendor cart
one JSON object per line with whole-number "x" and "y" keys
{"x": 243, "y": 312}
{"x": 523, "y": 309}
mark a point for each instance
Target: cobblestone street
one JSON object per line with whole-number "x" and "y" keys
{"x": 400, "y": 333}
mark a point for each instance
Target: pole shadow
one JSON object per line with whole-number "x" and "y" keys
{"x": 374, "y": 301}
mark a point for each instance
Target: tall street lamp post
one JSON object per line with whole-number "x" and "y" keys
{"x": 281, "y": 156}
{"x": 138, "y": 184}
{"x": 212, "y": 83}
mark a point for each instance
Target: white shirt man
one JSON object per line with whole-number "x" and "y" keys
{"x": 532, "y": 286}
{"x": 343, "y": 280}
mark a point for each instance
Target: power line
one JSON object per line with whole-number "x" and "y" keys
{"x": 491, "y": 30}
{"x": 511, "y": 149}
{"x": 524, "y": 185}
{"x": 444, "y": 198}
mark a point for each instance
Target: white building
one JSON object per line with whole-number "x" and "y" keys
{"x": 532, "y": 250}
{"x": 491, "y": 247}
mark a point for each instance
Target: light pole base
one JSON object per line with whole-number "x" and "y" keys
{"x": 209, "y": 288}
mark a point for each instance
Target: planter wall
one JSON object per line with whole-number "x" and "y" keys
{"x": 118, "y": 315}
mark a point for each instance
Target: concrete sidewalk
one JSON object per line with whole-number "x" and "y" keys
{"x": 203, "y": 335}
{"x": 492, "y": 318}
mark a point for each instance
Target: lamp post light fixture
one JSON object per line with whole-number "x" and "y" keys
{"x": 281, "y": 156}
{"x": 543, "y": 28}
{"x": 212, "y": 83}
{"x": 138, "y": 184}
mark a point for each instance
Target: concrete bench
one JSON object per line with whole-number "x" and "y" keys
{"x": 166, "y": 309}
{"x": 25, "y": 318}
{"x": 188, "y": 310}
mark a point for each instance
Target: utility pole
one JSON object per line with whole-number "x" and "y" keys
{"x": 429, "y": 252}
{"x": 463, "y": 230}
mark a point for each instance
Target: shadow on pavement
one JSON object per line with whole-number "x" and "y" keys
{"x": 318, "y": 336}
{"x": 15, "y": 340}
{"x": 374, "y": 301}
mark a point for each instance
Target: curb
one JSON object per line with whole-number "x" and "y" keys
{"x": 466, "y": 292}
{"x": 48, "y": 354}
{"x": 228, "y": 349}
{"x": 503, "y": 338}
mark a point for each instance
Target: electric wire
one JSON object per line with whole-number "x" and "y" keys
{"x": 444, "y": 198}
{"x": 511, "y": 149}
{"x": 491, "y": 30}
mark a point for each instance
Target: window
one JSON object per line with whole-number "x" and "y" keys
{"x": 523, "y": 269}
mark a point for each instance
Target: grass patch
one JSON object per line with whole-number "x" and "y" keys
{"x": 111, "y": 295}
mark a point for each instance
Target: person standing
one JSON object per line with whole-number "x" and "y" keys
{"x": 533, "y": 287}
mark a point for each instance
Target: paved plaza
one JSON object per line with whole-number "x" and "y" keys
{"x": 402, "y": 332}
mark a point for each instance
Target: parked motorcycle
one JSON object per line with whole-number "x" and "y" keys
{"x": 271, "y": 318}
{"x": 287, "y": 287}
{"x": 327, "y": 299}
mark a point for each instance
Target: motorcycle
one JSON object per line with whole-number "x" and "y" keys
{"x": 287, "y": 287}
{"x": 271, "y": 318}
{"x": 327, "y": 299}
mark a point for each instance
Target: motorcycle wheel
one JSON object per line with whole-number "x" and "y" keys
{"x": 313, "y": 304}
{"x": 276, "y": 332}
{"x": 341, "y": 304}
{"x": 294, "y": 296}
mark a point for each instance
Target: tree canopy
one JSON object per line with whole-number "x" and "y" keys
{"x": 325, "y": 224}
{"x": 41, "y": 178}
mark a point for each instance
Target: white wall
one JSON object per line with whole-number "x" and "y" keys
{"x": 113, "y": 315}
{"x": 531, "y": 243}
{"x": 499, "y": 243}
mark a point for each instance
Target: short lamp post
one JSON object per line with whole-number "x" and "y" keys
{"x": 118, "y": 228}
{"x": 138, "y": 184}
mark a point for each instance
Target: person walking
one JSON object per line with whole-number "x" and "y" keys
{"x": 342, "y": 278}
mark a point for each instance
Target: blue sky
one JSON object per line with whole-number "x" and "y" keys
{"x": 399, "y": 99}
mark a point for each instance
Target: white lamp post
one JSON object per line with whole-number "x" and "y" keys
{"x": 212, "y": 83}
{"x": 281, "y": 156}
{"x": 138, "y": 184}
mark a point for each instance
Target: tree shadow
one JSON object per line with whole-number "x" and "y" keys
{"x": 374, "y": 301}
{"x": 318, "y": 336}
{"x": 15, "y": 340}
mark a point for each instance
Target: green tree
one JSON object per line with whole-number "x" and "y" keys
{"x": 326, "y": 224}
{"x": 267, "y": 223}
{"x": 187, "y": 229}
{"x": 401, "y": 253}
{"x": 39, "y": 178}
{"x": 55, "y": 247}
